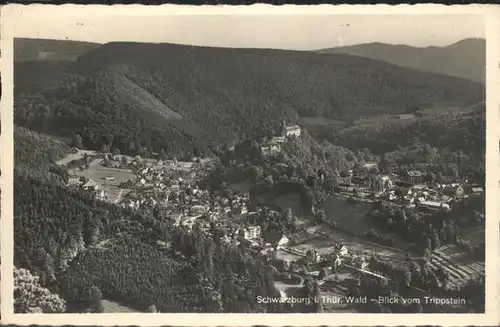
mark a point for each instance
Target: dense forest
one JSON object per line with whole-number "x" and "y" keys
{"x": 145, "y": 97}
{"x": 181, "y": 101}
{"x": 465, "y": 131}
{"x": 85, "y": 250}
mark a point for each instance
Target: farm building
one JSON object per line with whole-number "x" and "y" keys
{"x": 90, "y": 185}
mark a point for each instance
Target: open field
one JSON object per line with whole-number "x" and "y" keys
{"x": 461, "y": 266}
{"x": 98, "y": 173}
{"x": 114, "y": 307}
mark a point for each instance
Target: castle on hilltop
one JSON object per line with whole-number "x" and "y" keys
{"x": 288, "y": 131}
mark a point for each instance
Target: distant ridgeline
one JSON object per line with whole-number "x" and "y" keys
{"x": 128, "y": 96}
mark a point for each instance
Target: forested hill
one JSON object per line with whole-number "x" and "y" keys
{"x": 26, "y": 49}
{"x": 465, "y": 59}
{"x": 144, "y": 97}
{"x": 63, "y": 235}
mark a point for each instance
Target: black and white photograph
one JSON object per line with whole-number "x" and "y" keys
{"x": 295, "y": 163}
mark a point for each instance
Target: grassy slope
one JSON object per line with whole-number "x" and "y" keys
{"x": 465, "y": 59}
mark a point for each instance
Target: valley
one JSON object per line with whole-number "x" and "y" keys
{"x": 201, "y": 183}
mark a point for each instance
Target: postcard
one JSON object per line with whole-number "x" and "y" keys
{"x": 250, "y": 165}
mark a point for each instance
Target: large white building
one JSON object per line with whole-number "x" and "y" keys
{"x": 288, "y": 131}
{"x": 252, "y": 232}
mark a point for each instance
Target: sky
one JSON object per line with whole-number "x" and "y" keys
{"x": 291, "y": 30}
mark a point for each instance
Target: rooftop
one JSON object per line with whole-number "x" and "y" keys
{"x": 90, "y": 183}
{"x": 293, "y": 127}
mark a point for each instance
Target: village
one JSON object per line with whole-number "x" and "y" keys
{"x": 144, "y": 184}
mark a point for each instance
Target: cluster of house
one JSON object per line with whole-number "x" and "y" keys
{"x": 176, "y": 190}
{"x": 408, "y": 188}
{"x": 162, "y": 183}
{"x": 88, "y": 185}
{"x": 332, "y": 262}
{"x": 253, "y": 236}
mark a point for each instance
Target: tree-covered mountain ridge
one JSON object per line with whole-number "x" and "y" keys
{"x": 464, "y": 59}
{"x": 188, "y": 99}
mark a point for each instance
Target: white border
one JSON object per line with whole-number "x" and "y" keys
{"x": 491, "y": 317}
